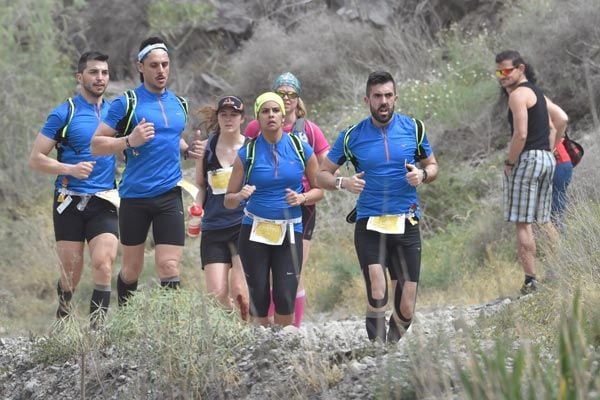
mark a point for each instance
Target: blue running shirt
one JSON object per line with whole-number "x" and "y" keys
{"x": 157, "y": 167}
{"x": 77, "y": 149}
{"x": 382, "y": 153}
{"x": 276, "y": 167}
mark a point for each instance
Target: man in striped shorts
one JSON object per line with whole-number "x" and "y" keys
{"x": 529, "y": 166}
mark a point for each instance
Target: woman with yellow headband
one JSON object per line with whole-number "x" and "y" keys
{"x": 267, "y": 177}
{"x": 288, "y": 87}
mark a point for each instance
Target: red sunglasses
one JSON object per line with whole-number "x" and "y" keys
{"x": 504, "y": 71}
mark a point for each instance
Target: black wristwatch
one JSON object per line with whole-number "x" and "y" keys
{"x": 508, "y": 163}
{"x": 424, "y": 175}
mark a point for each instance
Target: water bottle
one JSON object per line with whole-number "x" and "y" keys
{"x": 195, "y": 212}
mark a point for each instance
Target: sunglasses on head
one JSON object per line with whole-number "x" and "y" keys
{"x": 504, "y": 71}
{"x": 290, "y": 95}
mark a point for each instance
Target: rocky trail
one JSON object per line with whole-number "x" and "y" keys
{"x": 325, "y": 359}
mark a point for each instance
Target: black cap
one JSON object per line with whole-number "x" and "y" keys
{"x": 231, "y": 101}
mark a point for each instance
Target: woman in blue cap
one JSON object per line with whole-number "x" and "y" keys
{"x": 267, "y": 176}
{"x": 288, "y": 87}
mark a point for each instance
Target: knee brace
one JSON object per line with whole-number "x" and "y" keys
{"x": 396, "y": 332}
{"x": 375, "y": 303}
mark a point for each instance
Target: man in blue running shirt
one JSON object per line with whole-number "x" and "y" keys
{"x": 383, "y": 149}
{"x": 79, "y": 213}
{"x": 148, "y": 190}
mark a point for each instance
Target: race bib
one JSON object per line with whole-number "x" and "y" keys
{"x": 219, "y": 179}
{"x": 392, "y": 224}
{"x": 112, "y": 196}
{"x": 268, "y": 232}
{"x": 64, "y": 204}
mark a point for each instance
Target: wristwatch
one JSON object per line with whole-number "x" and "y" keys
{"x": 338, "y": 182}
{"x": 424, "y": 175}
{"x": 508, "y": 163}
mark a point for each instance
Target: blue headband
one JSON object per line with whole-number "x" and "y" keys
{"x": 287, "y": 79}
{"x": 144, "y": 52}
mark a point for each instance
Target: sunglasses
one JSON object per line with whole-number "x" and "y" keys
{"x": 290, "y": 95}
{"x": 504, "y": 72}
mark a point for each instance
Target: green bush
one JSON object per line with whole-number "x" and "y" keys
{"x": 180, "y": 340}
{"x": 37, "y": 76}
{"x": 458, "y": 86}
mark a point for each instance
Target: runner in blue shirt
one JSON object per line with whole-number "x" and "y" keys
{"x": 79, "y": 213}
{"x": 270, "y": 239}
{"x": 383, "y": 148}
{"x": 148, "y": 189}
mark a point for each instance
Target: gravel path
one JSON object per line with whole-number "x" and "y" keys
{"x": 325, "y": 359}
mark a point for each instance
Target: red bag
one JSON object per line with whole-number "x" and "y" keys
{"x": 574, "y": 149}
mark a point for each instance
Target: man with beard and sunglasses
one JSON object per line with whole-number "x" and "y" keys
{"x": 80, "y": 214}
{"x": 383, "y": 149}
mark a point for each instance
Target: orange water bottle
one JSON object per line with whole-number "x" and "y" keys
{"x": 195, "y": 212}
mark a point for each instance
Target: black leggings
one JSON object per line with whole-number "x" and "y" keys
{"x": 284, "y": 262}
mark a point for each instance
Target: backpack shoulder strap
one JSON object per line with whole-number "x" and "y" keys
{"x": 61, "y": 134}
{"x": 184, "y": 105}
{"x": 347, "y": 153}
{"x": 299, "y": 149}
{"x": 209, "y": 151}
{"x": 299, "y": 126}
{"x": 124, "y": 126}
{"x": 250, "y": 147}
{"x": 419, "y": 136}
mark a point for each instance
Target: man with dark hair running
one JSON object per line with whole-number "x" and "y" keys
{"x": 529, "y": 165}
{"x": 79, "y": 214}
{"x": 384, "y": 149}
{"x": 148, "y": 190}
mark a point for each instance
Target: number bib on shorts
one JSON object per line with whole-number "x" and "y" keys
{"x": 391, "y": 224}
{"x": 268, "y": 232}
{"x": 219, "y": 179}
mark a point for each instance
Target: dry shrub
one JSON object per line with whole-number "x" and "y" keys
{"x": 326, "y": 60}
{"x": 113, "y": 27}
{"x": 30, "y": 269}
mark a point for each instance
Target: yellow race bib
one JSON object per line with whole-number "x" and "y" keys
{"x": 219, "y": 179}
{"x": 391, "y": 224}
{"x": 268, "y": 232}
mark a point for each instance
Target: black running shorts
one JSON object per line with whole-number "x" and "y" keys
{"x": 164, "y": 212}
{"x": 400, "y": 253}
{"x": 219, "y": 245}
{"x": 99, "y": 216}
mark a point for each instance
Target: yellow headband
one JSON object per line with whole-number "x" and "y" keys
{"x": 268, "y": 96}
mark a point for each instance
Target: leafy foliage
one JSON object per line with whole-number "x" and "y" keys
{"x": 37, "y": 76}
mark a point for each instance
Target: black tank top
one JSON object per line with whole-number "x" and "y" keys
{"x": 538, "y": 128}
{"x": 216, "y": 216}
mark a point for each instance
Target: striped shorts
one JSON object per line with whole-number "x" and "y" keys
{"x": 528, "y": 192}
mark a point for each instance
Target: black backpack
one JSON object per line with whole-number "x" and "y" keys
{"x": 124, "y": 126}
